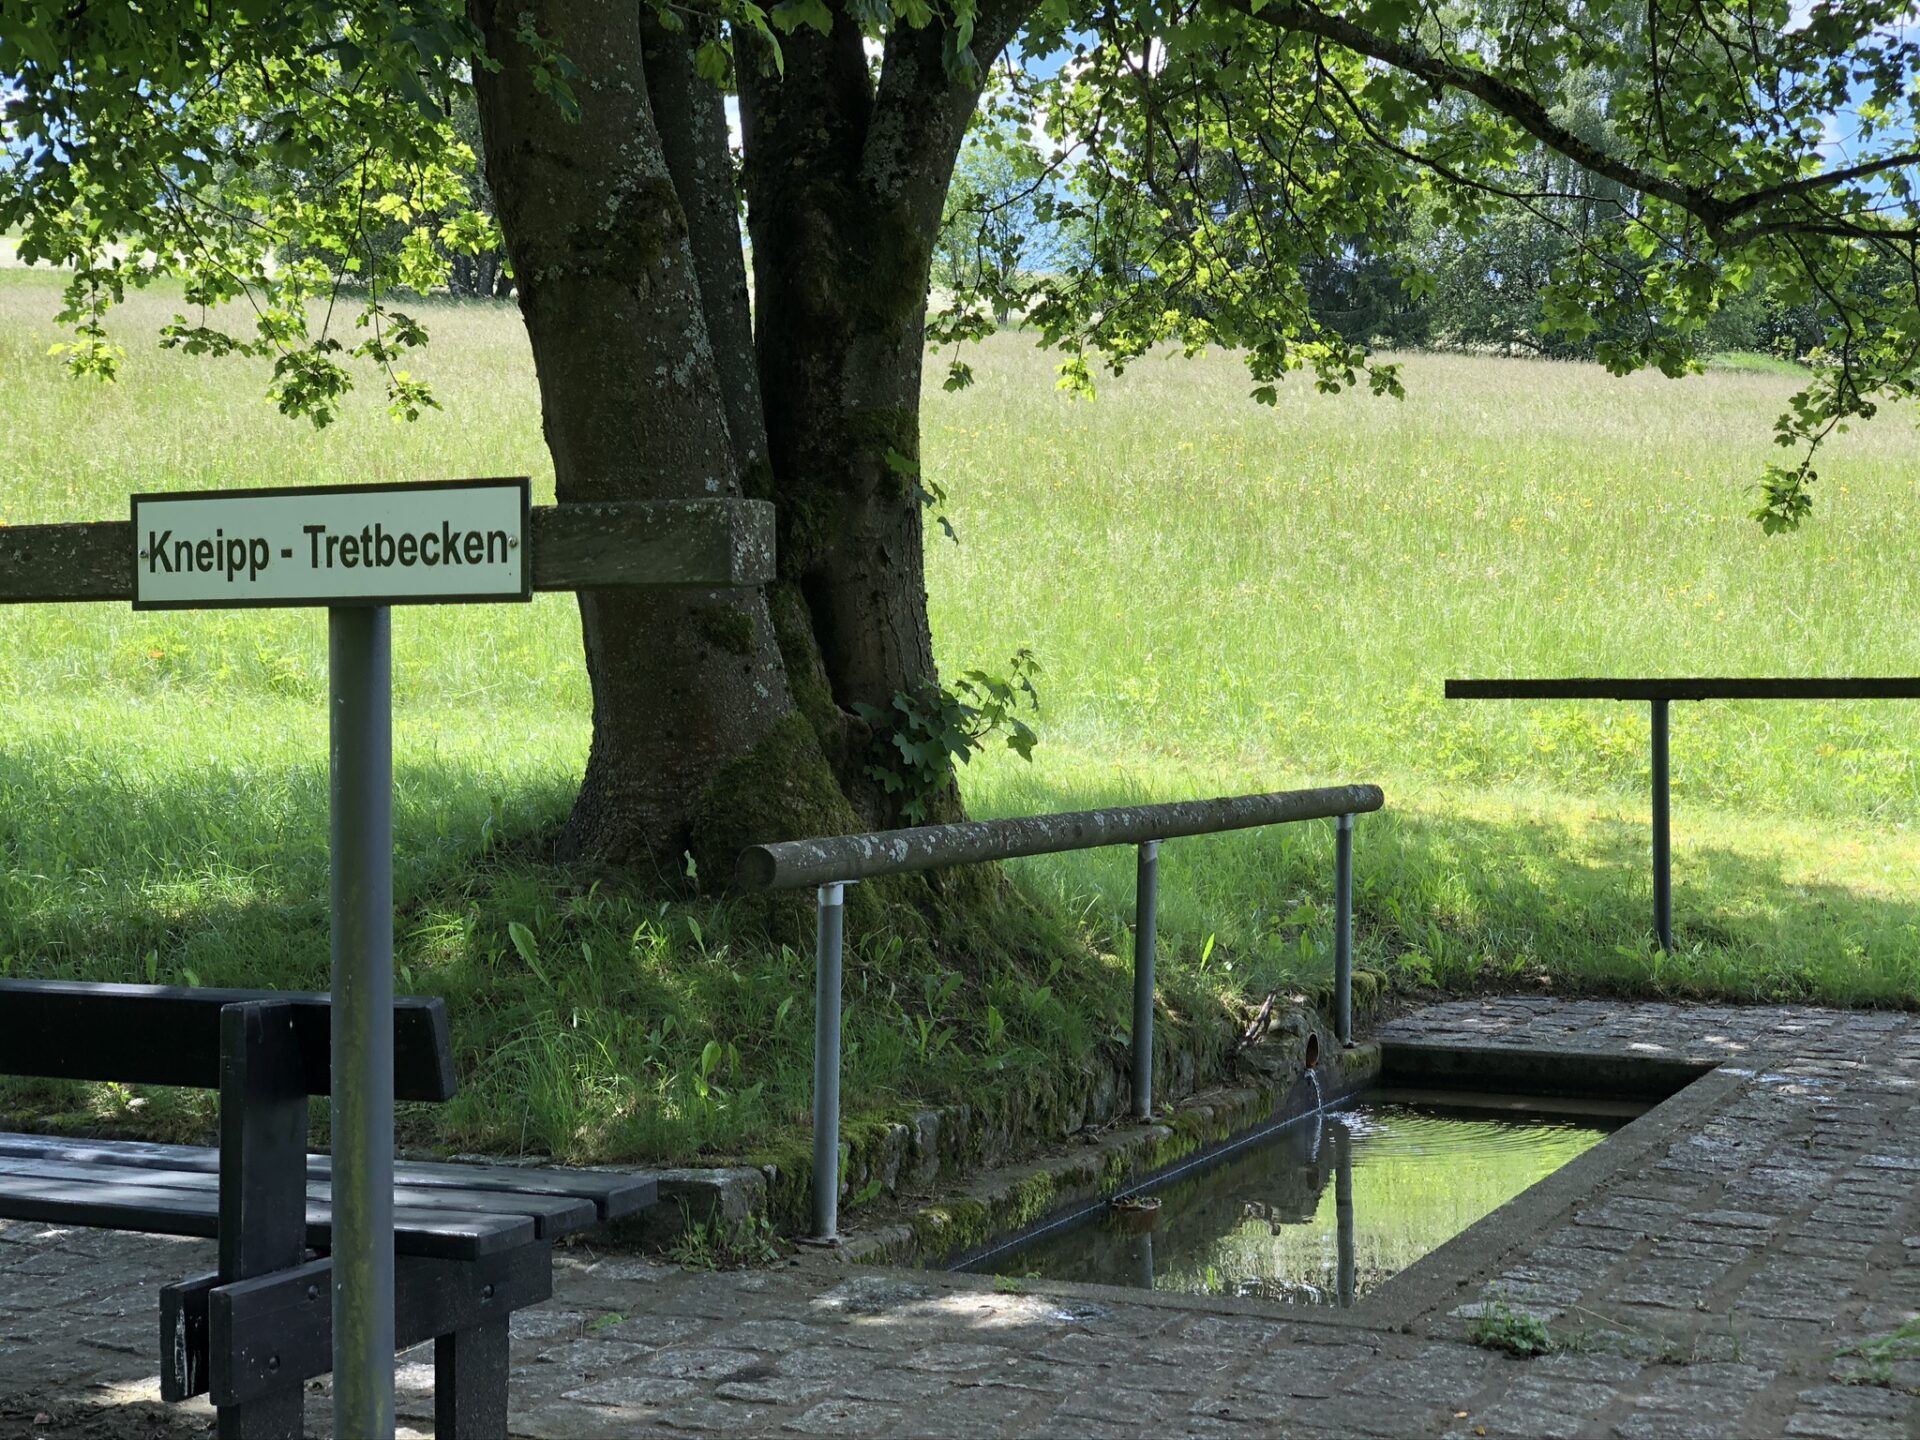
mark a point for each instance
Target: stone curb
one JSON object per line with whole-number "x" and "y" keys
{"x": 890, "y": 1163}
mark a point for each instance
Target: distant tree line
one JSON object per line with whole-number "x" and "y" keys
{"x": 1426, "y": 280}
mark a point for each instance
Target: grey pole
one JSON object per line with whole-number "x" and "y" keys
{"x": 1662, "y": 834}
{"x": 1343, "y": 929}
{"x": 831, "y": 916}
{"x": 360, "y": 759}
{"x": 1146, "y": 909}
{"x": 1343, "y": 1211}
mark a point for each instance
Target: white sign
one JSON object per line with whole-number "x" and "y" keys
{"x": 439, "y": 543}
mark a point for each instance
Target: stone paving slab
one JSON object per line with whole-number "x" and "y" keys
{"x": 1709, "y": 1265}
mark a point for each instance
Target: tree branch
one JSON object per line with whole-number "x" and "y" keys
{"x": 1498, "y": 94}
{"x": 690, "y": 115}
{"x": 1506, "y": 98}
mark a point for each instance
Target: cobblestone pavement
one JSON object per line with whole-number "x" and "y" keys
{"x": 1709, "y": 1263}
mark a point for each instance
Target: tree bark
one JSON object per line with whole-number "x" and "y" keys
{"x": 721, "y": 718}
{"x": 845, "y": 183}
{"x": 692, "y": 120}
{"x": 690, "y": 696}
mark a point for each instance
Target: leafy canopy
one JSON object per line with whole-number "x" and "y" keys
{"x": 1195, "y": 159}
{"x": 269, "y": 152}
{"x": 1211, "y": 153}
{"x": 252, "y": 157}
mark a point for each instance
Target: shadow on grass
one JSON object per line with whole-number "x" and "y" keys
{"x": 597, "y": 1017}
{"x": 217, "y": 874}
{"x": 1466, "y": 901}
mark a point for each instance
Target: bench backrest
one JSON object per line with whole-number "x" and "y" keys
{"x": 166, "y": 1035}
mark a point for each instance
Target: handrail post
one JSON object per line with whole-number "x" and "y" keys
{"x": 1662, "y": 833}
{"x": 1343, "y": 929}
{"x": 831, "y": 914}
{"x": 1146, "y": 907}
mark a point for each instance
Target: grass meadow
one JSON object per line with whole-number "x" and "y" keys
{"x": 1224, "y": 597}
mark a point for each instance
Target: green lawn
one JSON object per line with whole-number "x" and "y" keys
{"x": 1229, "y": 597}
{"x": 1225, "y": 597}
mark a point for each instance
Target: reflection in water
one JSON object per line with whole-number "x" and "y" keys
{"x": 1343, "y": 1210}
{"x": 1409, "y": 1171}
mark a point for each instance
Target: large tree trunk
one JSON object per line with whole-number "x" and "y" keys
{"x": 693, "y": 721}
{"x": 845, "y": 185}
{"x": 660, "y": 379}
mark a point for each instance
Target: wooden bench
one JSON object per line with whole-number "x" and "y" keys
{"x": 472, "y": 1243}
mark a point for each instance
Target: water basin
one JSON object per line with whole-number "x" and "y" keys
{"x": 1327, "y": 1208}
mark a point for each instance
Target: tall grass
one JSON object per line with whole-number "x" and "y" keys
{"x": 1211, "y": 581}
{"x": 1231, "y": 597}
{"x": 1224, "y": 597}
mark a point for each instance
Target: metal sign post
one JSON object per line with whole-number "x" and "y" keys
{"x": 358, "y": 549}
{"x": 355, "y": 549}
{"x": 360, "y": 766}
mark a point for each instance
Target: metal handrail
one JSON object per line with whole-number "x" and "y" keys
{"x": 791, "y": 864}
{"x": 831, "y": 863}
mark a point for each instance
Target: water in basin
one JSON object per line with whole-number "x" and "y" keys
{"x": 1325, "y": 1210}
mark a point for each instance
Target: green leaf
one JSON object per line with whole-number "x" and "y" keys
{"x": 789, "y": 15}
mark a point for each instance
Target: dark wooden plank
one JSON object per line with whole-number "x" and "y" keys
{"x": 700, "y": 543}
{"x": 263, "y": 1141}
{"x": 613, "y": 1194}
{"x": 108, "y": 1203}
{"x": 552, "y": 1215}
{"x": 169, "y": 1035}
{"x": 293, "y": 1313}
{"x": 134, "y": 1154}
{"x": 262, "y": 1180}
{"x": 470, "y": 1382}
{"x": 66, "y": 562}
{"x": 1757, "y": 687}
{"x": 162, "y": 1202}
{"x": 183, "y": 1337}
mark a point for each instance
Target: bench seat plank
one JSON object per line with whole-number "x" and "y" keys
{"x": 552, "y": 1215}
{"x": 613, "y": 1194}
{"x": 184, "y": 1203}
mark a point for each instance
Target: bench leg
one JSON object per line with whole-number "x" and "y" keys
{"x": 279, "y": 1416}
{"x": 263, "y": 1183}
{"x": 470, "y": 1383}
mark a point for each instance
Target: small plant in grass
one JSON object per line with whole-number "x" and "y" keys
{"x": 712, "y": 1244}
{"x": 120, "y": 1099}
{"x": 920, "y": 738}
{"x": 1499, "y": 1326}
{"x": 1881, "y": 1353}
